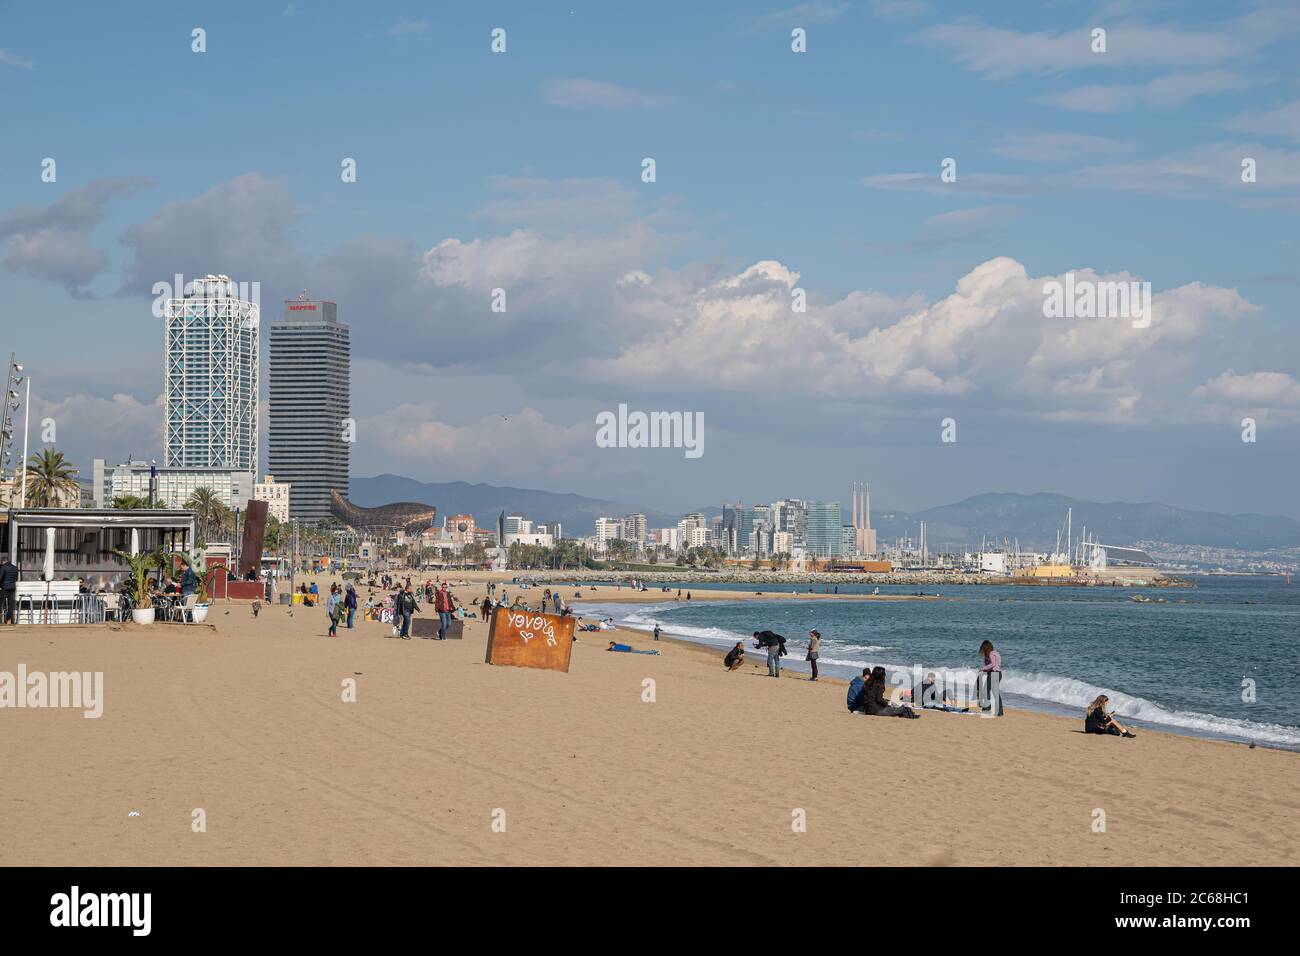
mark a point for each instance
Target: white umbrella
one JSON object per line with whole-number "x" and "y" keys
{"x": 135, "y": 541}
{"x": 48, "y": 569}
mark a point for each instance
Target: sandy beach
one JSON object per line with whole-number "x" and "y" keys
{"x": 245, "y": 720}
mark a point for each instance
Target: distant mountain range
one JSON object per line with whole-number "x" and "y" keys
{"x": 576, "y": 513}
{"x": 1031, "y": 519}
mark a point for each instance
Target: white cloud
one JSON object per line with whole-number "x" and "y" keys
{"x": 1262, "y": 389}
{"x": 13, "y": 59}
{"x": 1162, "y": 93}
{"x": 405, "y": 27}
{"x": 581, "y": 93}
{"x": 1059, "y": 147}
{"x": 1283, "y": 121}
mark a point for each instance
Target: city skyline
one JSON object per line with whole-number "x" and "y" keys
{"x": 774, "y": 173}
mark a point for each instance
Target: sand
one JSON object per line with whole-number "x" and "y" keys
{"x": 244, "y": 719}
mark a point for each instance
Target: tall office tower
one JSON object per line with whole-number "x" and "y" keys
{"x": 825, "y": 528}
{"x": 311, "y": 398}
{"x": 210, "y": 378}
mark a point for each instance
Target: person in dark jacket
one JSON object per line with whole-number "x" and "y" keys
{"x": 1097, "y": 721}
{"x": 735, "y": 657}
{"x": 8, "y": 590}
{"x": 874, "y": 701}
{"x": 404, "y": 605}
{"x": 775, "y": 645}
{"x": 350, "y": 605}
{"x": 189, "y": 582}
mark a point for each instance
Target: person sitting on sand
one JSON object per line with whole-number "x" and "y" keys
{"x": 735, "y": 657}
{"x": 874, "y": 701}
{"x": 857, "y": 689}
{"x": 1097, "y": 721}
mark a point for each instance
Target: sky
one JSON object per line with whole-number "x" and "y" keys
{"x": 777, "y": 175}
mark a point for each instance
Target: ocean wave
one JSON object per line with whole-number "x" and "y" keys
{"x": 1076, "y": 693}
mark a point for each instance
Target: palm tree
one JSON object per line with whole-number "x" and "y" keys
{"x": 50, "y": 480}
{"x": 210, "y": 512}
{"x": 130, "y": 502}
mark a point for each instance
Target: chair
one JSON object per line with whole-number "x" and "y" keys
{"x": 112, "y": 607}
{"x": 181, "y": 610}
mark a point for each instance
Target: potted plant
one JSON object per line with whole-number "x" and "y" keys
{"x": 203, "y": 578}
{"x": 140, "y": 566}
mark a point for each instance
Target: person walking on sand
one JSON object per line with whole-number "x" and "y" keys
{"x": 404, "y": 605}
{"x": 990, "y": 680}
{"x": 350, "y": 604}
{"x": 333, "y": 607}
{"x": 1097, "y": 721}
{"x": 444, "y": 604}
{"x": 656, "y": 632}
{"x": 814, "y": 648}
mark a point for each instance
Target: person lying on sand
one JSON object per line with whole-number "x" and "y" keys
{"x": 735, "y": 657}
{"x": 1097, "y": 721}
{"x": 626, "y": 649}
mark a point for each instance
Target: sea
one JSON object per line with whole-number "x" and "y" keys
{"x": 1218, "y": 659}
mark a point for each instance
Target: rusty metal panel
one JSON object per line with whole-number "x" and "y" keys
{"x": 530, "y": 639}
{"x": 250, "y": 551}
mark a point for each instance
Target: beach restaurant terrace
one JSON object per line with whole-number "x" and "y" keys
{"x": 50, "y": 544}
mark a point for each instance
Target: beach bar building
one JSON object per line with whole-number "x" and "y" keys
{"x": 61, "y": 545}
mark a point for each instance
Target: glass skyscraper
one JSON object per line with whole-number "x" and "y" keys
{"x": 311, "y": 399}
{"x": 210, "y": 373}
{"x": 825, "y": 535}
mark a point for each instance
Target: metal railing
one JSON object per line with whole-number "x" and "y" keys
{"x": 78, "y": 609}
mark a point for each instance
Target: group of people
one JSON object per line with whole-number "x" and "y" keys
{"x": 868, "y": 694}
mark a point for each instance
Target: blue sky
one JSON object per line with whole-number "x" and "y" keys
{"x": 522, "y": 170}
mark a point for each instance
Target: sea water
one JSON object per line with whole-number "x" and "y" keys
{"x": 1220, "y": 659}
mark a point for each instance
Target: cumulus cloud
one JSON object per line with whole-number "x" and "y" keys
{"x": 243, "y": 228}
{"x": 987, "y": 342}
{"x": 53, "y": 242}
{"x": 1260, "y": 389}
